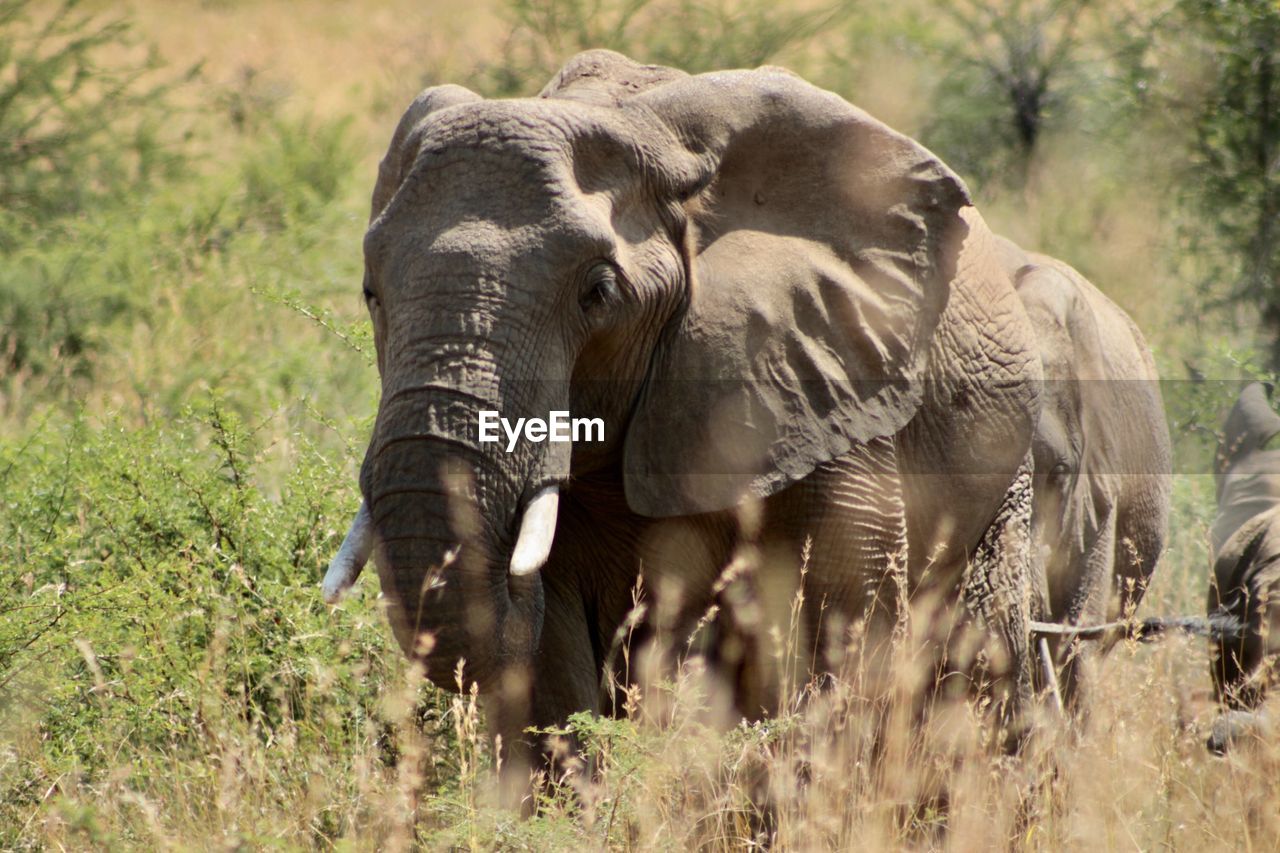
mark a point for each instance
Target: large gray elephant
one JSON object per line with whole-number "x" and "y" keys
{"x": 1103, "y": 461}
{"x": 1245, "y": 588}
{"x": 791, "y": 321}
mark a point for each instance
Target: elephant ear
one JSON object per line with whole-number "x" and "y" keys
{"x": 1072, "y": 354}
{"x": 1250, "y": 425}
{"x": 1070, "y": 343}
{"x": 820, "y": 249}
{"x": 403, "y": 149}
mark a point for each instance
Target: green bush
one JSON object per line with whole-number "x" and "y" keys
{"x": 160, "y": 600}
{"x": 1231, "y": 186}
{"x": 298, "y": 169}
{"x": 180, "y": 254}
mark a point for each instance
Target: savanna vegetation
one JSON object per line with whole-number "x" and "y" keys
{"x": 187, "y": 381}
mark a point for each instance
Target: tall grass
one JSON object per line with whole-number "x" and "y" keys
{"x": 186, "y": 383}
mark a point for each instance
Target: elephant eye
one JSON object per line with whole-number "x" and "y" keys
{"x": 1060, "y": 471}
{"x": 602, "y": 287}
{"x": 370, "y": 299}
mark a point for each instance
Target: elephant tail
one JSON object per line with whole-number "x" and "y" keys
{"x": 1218, "y": 625}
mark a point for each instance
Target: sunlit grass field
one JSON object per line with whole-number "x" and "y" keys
{"x": 186, "y": 384}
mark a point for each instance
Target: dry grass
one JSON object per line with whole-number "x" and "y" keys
{"x": 330, "y": 57}
{"x": 840, "y": 770}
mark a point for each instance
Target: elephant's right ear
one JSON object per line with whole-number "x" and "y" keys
{"x": 404, "y": 142}
{"x": 821, "y": 247}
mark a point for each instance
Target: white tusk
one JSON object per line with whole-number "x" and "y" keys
{"x": 350, "y": 558}
{"x": 537, "y": 530}
{"x": 1051, "y": 676}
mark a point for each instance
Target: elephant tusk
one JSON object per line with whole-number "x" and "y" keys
{"x": 350, "y": 559}
{"x": 1050, "y": 676}
{"x": 537, "y": 530}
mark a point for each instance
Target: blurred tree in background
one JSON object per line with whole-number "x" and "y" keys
{"x": 1019, "y": 57}
{"x": 1233, "y": 179}
{"x": 1012, "y": 73}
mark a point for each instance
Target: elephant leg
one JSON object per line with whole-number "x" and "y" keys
{"x": 836, "y": 545}
{"x": 1232, "y": 727}
{"x": 996, "y": 590}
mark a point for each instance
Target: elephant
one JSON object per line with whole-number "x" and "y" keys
{"x": 1103, "y": 464}
{"x": 1245, "y": 586}
{"x": 792, "y": 323}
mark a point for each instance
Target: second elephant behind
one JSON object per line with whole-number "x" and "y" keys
{"x": 1102, "y": 460}
{"x": 1246, "y": 566}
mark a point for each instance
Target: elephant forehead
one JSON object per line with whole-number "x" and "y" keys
{"x": 544, "y": 134}
{"x": 524, "y": 123}
{"x": 490, "y": 220}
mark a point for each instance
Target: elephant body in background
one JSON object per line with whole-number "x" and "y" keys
{"x": 794, "y": 326}
{"x": 1102, "y": 459}
{"x": 1246, "y": 563}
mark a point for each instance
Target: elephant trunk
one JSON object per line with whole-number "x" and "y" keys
{"x": 461, "y": 530}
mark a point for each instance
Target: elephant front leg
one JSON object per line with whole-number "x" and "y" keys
{"x": 997, "y": 591}
{"x": 835, "y": 546}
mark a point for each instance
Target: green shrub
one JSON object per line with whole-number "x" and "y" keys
{"x": 160, "y": 600}
{"x": 297, "y": 169}
{"x": 161, "y": 267}
{"x": 1231, "y": 186}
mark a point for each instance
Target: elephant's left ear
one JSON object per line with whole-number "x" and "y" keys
{"x": 821, "y": 248}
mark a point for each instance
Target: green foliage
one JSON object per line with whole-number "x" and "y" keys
{"x": 301, "y": 167}
{"x": 159, "y": 600}
{"x": 1014, "y": 75}
{"x": 158, "y": 558}
{"x": 66, "y": 306}
{"x": 77, "y": 131}
{"x": 694, "y": 35}
{"x": 1233, "y": 182}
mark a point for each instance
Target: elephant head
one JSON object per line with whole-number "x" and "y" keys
{"x": 737, "y": 272}
{"x": 1247, "y": 465}
{"x": 1069, "y": 501}
{"x": 1102, "y": 454}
